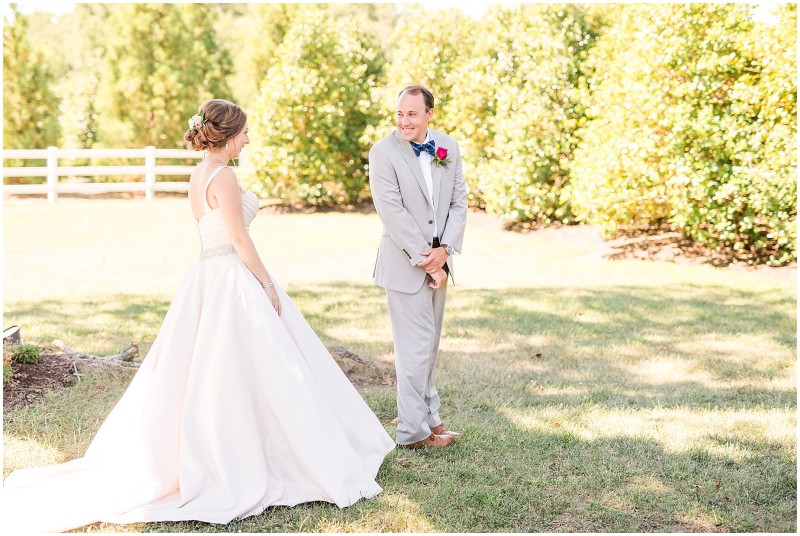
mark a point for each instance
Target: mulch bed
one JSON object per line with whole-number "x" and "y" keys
{"x": 30, "y": 381}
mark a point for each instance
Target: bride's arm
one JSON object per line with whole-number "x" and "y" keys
{"x": 225, "y": 193}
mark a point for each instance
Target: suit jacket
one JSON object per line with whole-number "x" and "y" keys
{"x": 401, "y": 199}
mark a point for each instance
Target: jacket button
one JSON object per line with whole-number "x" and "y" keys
{"x": 429, "y": 243}
{"x": 430, "y": 221}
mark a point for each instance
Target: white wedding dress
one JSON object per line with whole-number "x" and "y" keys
{"x": 234, "y": 409}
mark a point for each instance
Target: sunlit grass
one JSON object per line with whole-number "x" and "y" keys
{"x": 604, "y": 396}
{"x": 60, "y": 428}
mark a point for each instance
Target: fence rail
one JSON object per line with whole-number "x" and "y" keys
{"x": 150, "y": 171}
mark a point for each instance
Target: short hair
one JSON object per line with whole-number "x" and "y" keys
{"x": 416, "y": 90}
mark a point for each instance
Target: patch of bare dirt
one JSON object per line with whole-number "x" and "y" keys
{"x": 657, "y": 247}
{"x": 672, "y": 247}
{"x": 30, "y": 381}
{"x": 56, "y": 370}
{"x": 364, "y": 372}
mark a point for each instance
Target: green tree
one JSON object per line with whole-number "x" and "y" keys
{"x": 429, "y": 51}
{"x": 692, "y": 107}
{"x": 621, "y": 169}
{"x": 30, "y": 107}
{"x": 377, "y": 20}
{"x": 309, "y": 121}
{"x": 77, "y": 114}
{"x": 432, "y": 50}
{"x": 161, "y": 62}
{"x": 69, "y": 46}
{"x": 737, "y": 137}
{"x": 254, "y": 31}
{"x": 520, "y": 103}
{"x": 81, "y": 60}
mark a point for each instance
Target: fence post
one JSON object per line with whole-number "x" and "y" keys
{"x": 52, "y": 174}
{"x": 149, "y": 171}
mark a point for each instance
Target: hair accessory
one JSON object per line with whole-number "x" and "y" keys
{"x": 197, "y": 120}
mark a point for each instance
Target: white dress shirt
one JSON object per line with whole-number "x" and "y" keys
{"x": 425, "y": 162}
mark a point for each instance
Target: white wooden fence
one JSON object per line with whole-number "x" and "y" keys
{"x": 52, "y": 171}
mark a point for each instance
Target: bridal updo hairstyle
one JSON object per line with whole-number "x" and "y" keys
{"x": 222, "y": 120}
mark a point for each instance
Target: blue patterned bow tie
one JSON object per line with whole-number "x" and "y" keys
{"x": 429, "y": 147}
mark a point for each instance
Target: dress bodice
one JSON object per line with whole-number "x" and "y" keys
{"x": 214, "y": 237}
{"x": 212, "y": 228}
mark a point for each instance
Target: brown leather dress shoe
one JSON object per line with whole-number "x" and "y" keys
{"x": 441, "y": 430}
{"x": 432, "y": 441}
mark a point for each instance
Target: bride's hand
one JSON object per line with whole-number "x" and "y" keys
{"x": 272, "y": 294}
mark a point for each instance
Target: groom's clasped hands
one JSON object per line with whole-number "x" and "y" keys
{"x": 433, "y": 263}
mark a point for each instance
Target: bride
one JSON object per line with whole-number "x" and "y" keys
{"x": 237, "y": 406}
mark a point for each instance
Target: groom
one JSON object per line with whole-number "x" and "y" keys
{"x": 420, "y": 195}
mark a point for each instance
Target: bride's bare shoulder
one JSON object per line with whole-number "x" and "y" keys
{"x": 224, "y": 183}
{"x": 225, "y": 175}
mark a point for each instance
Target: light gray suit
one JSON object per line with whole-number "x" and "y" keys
{"x": 416, "y": 310}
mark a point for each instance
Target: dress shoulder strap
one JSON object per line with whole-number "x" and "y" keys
{"x": 208, "y": 183}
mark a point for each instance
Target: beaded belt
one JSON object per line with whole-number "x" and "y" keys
{"x": 217, "y": 251}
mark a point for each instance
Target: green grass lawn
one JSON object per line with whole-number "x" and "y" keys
{"x": 595, "y": 395}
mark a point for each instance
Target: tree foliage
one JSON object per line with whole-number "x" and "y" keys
{"x": 692, "y": 124}
{"x": 634, "y": 118}
{"x": 29, "y": 102}
{"x": 82, "y": 63}
{"x": 427, "y": 51}
{"x": 520, "y": 103}
{"x": 252, "y": 32}
{"x": 161, "y": 62}
{"x": 312, "y": 111}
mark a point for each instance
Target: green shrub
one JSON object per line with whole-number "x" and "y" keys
{"x": 623, "y": 166}
{"x": 309, "y": 119}
{"x": 520, "y": 105}
{"x": 449, "y": 36}
{"x": 160, "y": 62}
{"x": 30, "y": 117}
{"x": 7, "y": 373}
{"x": 738, "y": 144}
{"x": 441, "y": 66}
{"x": 692, "y": 125}
{"x": 25, "y": 353}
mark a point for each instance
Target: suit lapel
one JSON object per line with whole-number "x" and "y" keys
{"x": 413, "y": 162}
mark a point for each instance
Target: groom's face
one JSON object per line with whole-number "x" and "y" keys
{"x": 412, "y": 117}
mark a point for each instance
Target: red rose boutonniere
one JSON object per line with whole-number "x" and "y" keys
{"x": 440, "y": 158}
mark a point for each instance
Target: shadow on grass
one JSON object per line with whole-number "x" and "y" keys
{"x": 601, "y": 339}
{"x": 100, "y": 325}
{"x": 598, "y": 342}
{"x": 713, "y": 349}
{"x": 596, "y": 317}
{"x": 504, "y": 477}
{"x": 501, "y": 477}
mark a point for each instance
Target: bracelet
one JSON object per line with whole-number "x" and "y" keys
{"x": 269, "y": 285}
